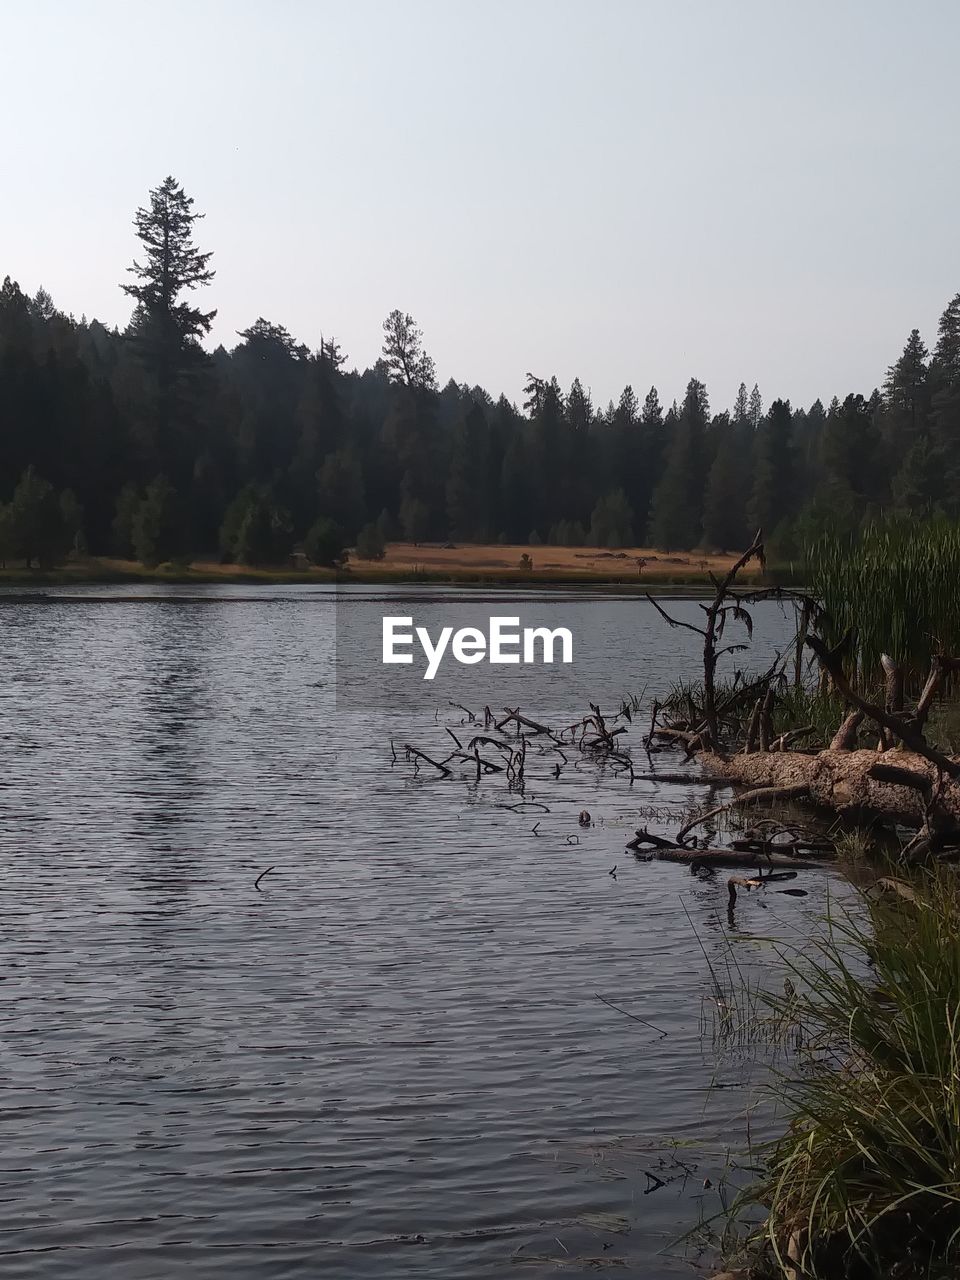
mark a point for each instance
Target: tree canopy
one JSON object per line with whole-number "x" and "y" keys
{"x": 140, "y": 442}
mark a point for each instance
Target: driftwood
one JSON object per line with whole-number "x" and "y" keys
{"x": 671, "y": 851}
{"x": 731, "y": 858}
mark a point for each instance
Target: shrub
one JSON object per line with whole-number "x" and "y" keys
{"x": 323, "y": 544}
{"x": 370, "y": 543}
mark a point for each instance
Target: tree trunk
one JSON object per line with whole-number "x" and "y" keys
{"x": 839, "y": 780}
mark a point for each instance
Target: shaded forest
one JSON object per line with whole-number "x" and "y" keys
{"x": 140, "y": 444}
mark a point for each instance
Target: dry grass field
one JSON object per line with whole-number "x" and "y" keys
{"x": 405, "y": 561}
{"x": 496, "y": 560}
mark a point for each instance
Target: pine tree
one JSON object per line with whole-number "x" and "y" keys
{"x": 755, "y": 408}
{"x": 168, "y": 329}
{"x": 468, "y": 463}
{"x": 7, "y": 544}
{"x": 947, "y": 352}
{"x": 906, "y": 395}
{"x": 724, "y": 507}
{"x": 579, "y": 408}
{"x": 741, "y": 407}
{"x": 254, "y": 543}
{"x": 917, "y": 487}
{"x": 128, "y": 504}
{"x": 515, "y": 487}
{"x": 414, "y": 519}
{"x": 850, "y": 455}
{"x": 611, "y": 524}
{"x": 676, "y": 518}
{"x": 403, "y": 353}
{"x": 945, "y": 386}
{"x": 341, "y": 493}
{"x": 165, "y": 329}
{"x": 652, "y": 414}
{"x": 774, "y": 494}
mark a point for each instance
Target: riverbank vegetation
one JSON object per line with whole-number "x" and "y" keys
{"x": 144, "y": 445}
{"x": 866, "y": 1179}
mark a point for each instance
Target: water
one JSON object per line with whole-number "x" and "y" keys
{"x": 389, "y": 1059}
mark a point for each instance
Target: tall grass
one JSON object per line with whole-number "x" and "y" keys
{"x": 896, "y": 584}
{"x": 866, "y": 1182}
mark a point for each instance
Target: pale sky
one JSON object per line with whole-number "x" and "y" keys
{"x": 626, "y": 190}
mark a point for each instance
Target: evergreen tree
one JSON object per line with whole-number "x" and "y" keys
{"x": 774, "y": 491}
{"x": 341, "y": 493}
{"x": 945, "y": 386}
{"x": 173, "y": 265}
{"x": 7, "y": 543}
{"x": 755, "y": 408}
{"x": 414, "y": 519}
{"x": 579, "y": 409}
{"x": 724, "y": 508}
{"x": 254, "y": 541}
{"x": 468, "y": 463}
{"x": 906, "y": 395}
{"x": 947, "y": 352}
{"x": 676, "y": 518}
{"x": 917, "y": 487}
{"x": 124, "y": 521}
{"x": 741, "y": 407}
{"x": 403, "y": 354}
{"x": 850, "y": 454}
{"x": 165, "y": 328}
{"x": 611, "y": 524}
{"x": 516, "y": 492}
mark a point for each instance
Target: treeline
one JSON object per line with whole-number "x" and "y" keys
{"x": 140, "y": 444}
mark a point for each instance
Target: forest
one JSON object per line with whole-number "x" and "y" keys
{"x": 140, "y": 444}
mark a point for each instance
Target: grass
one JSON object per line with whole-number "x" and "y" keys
{"x": 410, "y": 562}
{"x": 795, "y": 706}
{"x": 894, "y": 585}
{"x": 497, "y": 560}
{"x": 798, "y": 705}
{"x": 866, "y": 1181}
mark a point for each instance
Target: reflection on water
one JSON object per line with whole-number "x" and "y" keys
{"x": 389, "y": 1060}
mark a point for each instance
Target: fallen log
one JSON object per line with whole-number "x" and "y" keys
{"x": 732, "y": 858}
{"x": 670, "y": 851}
{"x": 842, "y": 780}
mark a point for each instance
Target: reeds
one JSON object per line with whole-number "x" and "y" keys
{"x": 866, "y": 1181}
{"x": 896, "y": 585}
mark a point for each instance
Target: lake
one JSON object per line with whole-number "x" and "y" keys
{"x": 388, "y": 1059}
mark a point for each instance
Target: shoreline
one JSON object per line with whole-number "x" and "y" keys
{"x": 94, "y": 573}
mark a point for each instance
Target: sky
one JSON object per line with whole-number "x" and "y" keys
{"x": 628, "y": 191}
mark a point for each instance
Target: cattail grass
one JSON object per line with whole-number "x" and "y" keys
{"x": 896, "y": 584}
